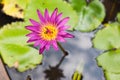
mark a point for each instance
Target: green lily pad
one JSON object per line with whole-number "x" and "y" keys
{"x": 118, "y": 16}
{"x": 108, "y": 37}
{"x": 62, "y": 6}
{"x": 15, "y": 8}
{"x": 112, "y": 76}
{"x": 110, "y": 61}
{"x": 13, "y": 33}
{"x": 14, "y": 48}
{"x": 78, "y": 5}
{"x": 20, "y": 56}
{"x": 91, "y": 16}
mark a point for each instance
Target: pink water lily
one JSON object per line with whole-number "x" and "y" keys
{"x": 49, "y": 31}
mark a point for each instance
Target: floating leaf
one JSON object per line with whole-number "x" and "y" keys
{"x": 15, "y": 8}
{"x": 20, "y": 56}
{"x": 78, "y": 5}
{"x": 108, "y": 37}
{"x": 118, "y": 16}
{"x": 112, "y": 76}
{"x": 13, "y": 33}
{"x": 110, "y": 61}
{"x": 61, "y": 5}
{"x": 91, "y": 16}
{"x": 14, "y": 49}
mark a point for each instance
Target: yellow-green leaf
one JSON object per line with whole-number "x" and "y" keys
{"x": 118, "y": 16}
{"x": 15, "y": 8}
{"x": 112, "y": 76}
{"x": 62, "y": 6}
{"x": 20, "y": 56}
{"x": 108, "y": 37}
{"x": 13, "y": 33}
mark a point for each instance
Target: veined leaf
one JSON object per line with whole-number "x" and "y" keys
{"x": 78, "y": 5}
{"x": 14, "y": 49}
{"x": 91, "y": 16}
{"x": 108, "y": 37}
{"x": 112, "y": 76}
{"x": 62, "y": 6}
{"x": 20, "y": 56}
{"x": 110, "y": 61}
{"x": 13, "y": 33}
{"x": 15, "y": 8}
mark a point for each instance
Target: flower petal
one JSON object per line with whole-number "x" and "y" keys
{"x": 41, "y": 50}
{"x": 63, "y": 21}
{"x": 60, "y": 39}
{"x": 46, "y": 15}
{"x": 67, "y": 35}
{"x": 32, "y": 34}
{"x": 37, "y": 43}
{"x": 58, "y": 18}
{"x": 32, "y": 28}
{"x": 42, "y": 46}
{"x": 48, "y": 46}
{"x": 35, "y": 23}
{"x": 35, "y": 37}
{"x": 54, "y": 14}
{"x": 40, "y": 16}
{"x": 61, "y": 33}
{"x": 54, "y": 43}
{"x": 63, "y": 28}
{"x": 31, "y": 40}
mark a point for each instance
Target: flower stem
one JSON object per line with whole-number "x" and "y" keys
{"x": 62, "y": 49}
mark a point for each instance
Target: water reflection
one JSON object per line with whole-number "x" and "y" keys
{"x": 28, "y": 77}
{"x": 79, "y": 48}
{"x": 54, "y": 72}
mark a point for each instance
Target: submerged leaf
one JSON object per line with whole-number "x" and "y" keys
{"x": 19, "y": 56}
{"x": 15, "y": 8}
{"x": 62, "y": 6}
{"x": 91, "y": 16}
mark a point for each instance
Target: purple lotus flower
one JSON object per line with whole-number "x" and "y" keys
{"x": 49, "y": 31}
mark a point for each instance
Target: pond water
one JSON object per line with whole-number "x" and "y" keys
{"x": 81, "y": 53}
{"x": 56, "y": 66}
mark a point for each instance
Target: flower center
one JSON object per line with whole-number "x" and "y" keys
{"x": 49, "y": 32}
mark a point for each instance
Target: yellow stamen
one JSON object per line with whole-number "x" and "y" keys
{"x": 49, "y": 32}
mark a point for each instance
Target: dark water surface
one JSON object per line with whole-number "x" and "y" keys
{"x": 81, "y": 55}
